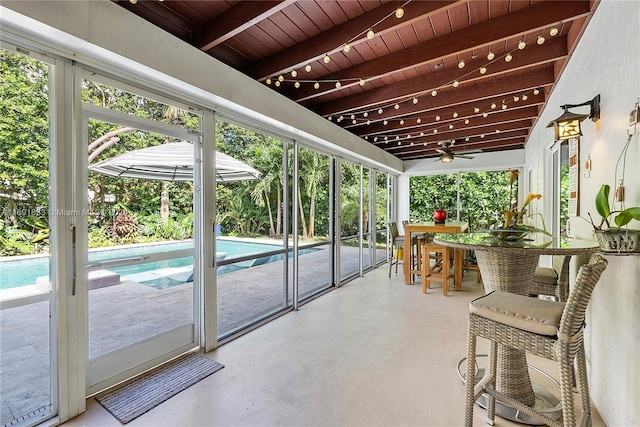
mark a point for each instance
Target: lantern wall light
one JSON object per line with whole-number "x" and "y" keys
{"x": 567, "y": 126}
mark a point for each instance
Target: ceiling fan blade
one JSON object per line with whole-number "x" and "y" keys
{"x": 441, "y": 151}
{"x": 463, "y": 156}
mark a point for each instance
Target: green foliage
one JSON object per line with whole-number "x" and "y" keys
{"x": 483, "y": 197}
{"x": 605, "y": 211}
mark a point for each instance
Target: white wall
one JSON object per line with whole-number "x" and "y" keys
{"x": 606, "y": 62}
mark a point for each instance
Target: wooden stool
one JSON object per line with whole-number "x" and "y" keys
{"x": 429, "y": 273}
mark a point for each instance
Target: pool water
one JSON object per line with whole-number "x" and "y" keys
{"x": 25, "y": 271}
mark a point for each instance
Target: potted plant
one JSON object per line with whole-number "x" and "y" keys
{"x": 609, "y": 232}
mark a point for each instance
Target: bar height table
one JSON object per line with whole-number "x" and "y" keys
{"x": 507, "y": 265}
{"x": 432, "y": 227}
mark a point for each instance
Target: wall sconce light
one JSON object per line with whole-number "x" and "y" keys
{"x": 567, "y": 126}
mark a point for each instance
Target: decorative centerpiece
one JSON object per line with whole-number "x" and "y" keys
{"x": 439, "y": 216}
{"x": 512, "y": 227}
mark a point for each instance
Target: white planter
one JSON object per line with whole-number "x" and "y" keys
{"x": 618, "y": 240}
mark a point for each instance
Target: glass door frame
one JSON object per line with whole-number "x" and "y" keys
{"x": 113, "y": 367}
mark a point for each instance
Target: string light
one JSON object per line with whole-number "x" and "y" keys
{"x": 338, "y": 85}
{"x": 316, "y": 85}
{"x": 524, "y": 97}
{"x": 368, "y": 122}
{"x": 294, "y": 73}
{"x": 415, "y": 100}
{"x": 379, "y": 110}
{"x": 280, "y": 78}
{"x": 326, "y": 58}
{"x": 354, "y": 121}
{"x": 361, "y": 82}
{"x": 508, "y": 58}
{"x": 437, "y": 118}
{"x": 504, "y": 106}
{"x": 435, "y": 131}
{"x": 399, "y": 13}
{"x": 483, "y": 70}
{"x": 485, "y": 115}
{"x": 553, "y": 31}
{"x": 418, "y": 120}
{"x": 536, "y": 91}
{"x": 490, "y": 56}
{"x": 396, "y": 106}
{"x": 370, "y": 34}
{"x": 346, "y": 48}
{"x": 461, "y": 64}
{"x": 455, "y": 115}
{"x": 401, "y": 121}
{"x": 493, "y": 105}
{"x": 456, "y": 83}
{"x": 466, "y": 121}
{"x": 476, "y": 109}
{"x": 385, "y": 122}
{"x": 434, "y": 92}
{"x": 516, "y": 98}
{"x": 365, "y": 114}
{"x": 277, "y": 83}
{"x": 353, "y": 116}
{"x": 450, "y": 126}
{"x": 540, "y": 40}
{"x": 268, "y": 81}
{"x": 522, "y": 44}
{"x": 307, "y": 68}
{"x": 297, "y": 84}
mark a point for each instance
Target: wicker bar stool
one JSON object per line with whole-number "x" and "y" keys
{"x": 397, "y": 245}
{"x": 549, "y": 329}
{"x": 553, "y": 281}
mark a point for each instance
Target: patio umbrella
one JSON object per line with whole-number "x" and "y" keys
{"x": 171, "y": 162}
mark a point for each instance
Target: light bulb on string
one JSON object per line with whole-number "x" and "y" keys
{"x": 277, "y": 83}
{"x": 368, "y": 122}
{"x": 524, "y": 97}
{"x": 418, "y": 120}
{"x": 385, "y": 122}
{"x": 522, "y": 44}
{"x": 353, "y": 121}
{"x": 307, "y": 68}
{"x": 316, "y": 85}
{"x": 297, "y": 84}
{"x": 375, "y": 139}
{"x": 346, "y": 47}
{"x": 365, "y": 114}
{"x": 370, "y": 34}
{"x": 399, "y": 13}
{"x": 476, "y": 109}
{"x": 353, "y": 116}
{"x": 553, "y": 31}
{"x": 437, "y": 118}
{"x": 516, "y": 98}
{"x": 466, "y": 121}
{"x": 540, "y": 40}
{"x": 268, "y": 81}
{"x": 456, "y": 83}
{"x": 361, "y": 82}
{"x": 280, "y": 78}
{"x": 493, "y": 105}
{"x": 483, "y": 70}
{"x": 415, "y": 100}
{"x": 396, "y": 106}
{"x": 490, "y": 56}
{"x": 338, "y": 85}
{"x": 294, "y": 73}
{"x": 326, "y": 58}
{"x": 435, "y": 131}
{"x": 330, "y": 118}
{"x": 434, "y": 92}
{"x": 461, "y": 64}
{"x": 504, "y": 106}
{"x": 508, "y": 58}
{"x": 485, "y": 115}
{"x": 421, "y": 133}
{"x": 401, "y": 121}
{"x": 450, "y": 126}
{"x": 455, "y": 115}
{"x": 379, "y": 110}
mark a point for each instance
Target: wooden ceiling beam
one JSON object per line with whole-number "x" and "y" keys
{"x": 235, "y": 20}
{"x": 505, "y": 86}
{"x": 457, "y": 134}
{"x": 503, "y": 27}
{"x": 416, "y": 151}
{"x": 497, "y": 119}
{"x": 316, "y": 47}
{"x": 423, "y": 85}
{"x": 463, "y": 112}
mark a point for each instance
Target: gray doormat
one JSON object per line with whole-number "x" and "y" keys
{"x": 146, "y": 392}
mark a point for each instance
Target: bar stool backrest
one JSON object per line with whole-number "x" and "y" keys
{"x": 393, "y": 229}
{"x": 575, "y": 309}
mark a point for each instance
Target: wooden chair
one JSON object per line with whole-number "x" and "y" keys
{"x": 440, "y": 271}
{"x": 549, "y": 329}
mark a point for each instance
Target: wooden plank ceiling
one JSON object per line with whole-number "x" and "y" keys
{"x": 476, "y": 73}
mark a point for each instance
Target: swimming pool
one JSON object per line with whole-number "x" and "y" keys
{"x": 25, "y": 270}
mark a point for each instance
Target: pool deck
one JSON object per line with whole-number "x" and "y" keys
{"x": 115, "y": 320}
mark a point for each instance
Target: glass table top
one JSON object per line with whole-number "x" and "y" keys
{"x": 532, "y": 241}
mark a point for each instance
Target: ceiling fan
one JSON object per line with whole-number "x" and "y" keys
{"x": 446, "y": 155}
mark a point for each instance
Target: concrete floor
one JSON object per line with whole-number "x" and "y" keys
{"x": 373, "y": 353}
